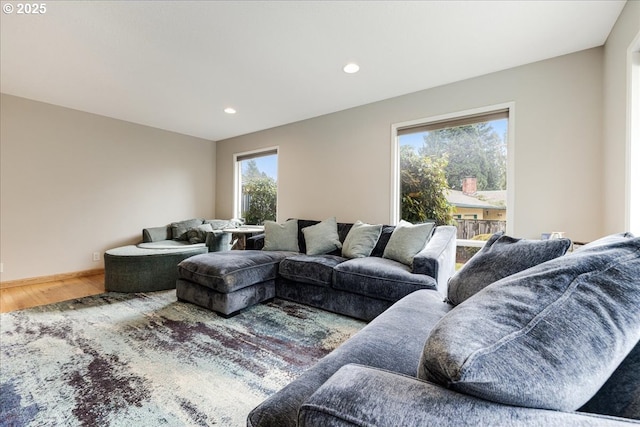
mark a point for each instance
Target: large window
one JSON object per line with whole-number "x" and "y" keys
{"x": 256, "y": 186}
{"x": 454, "y": 170}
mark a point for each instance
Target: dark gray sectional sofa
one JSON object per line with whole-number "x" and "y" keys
{"x": 360, "y": 287}
{"x": 531, "y": 337}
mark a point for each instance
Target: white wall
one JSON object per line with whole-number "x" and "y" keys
{"x": 74, "y": 183}
{"x": 616, "y": 117}
{"x": 339, "y": 164}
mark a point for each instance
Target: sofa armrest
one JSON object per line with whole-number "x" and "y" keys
{"x": 438, "y": 258}
{"x": 155, "y": 234}
{"x": 357, "y": 395}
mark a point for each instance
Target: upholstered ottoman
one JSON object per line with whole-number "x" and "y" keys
{"x": 227, "y": 282}
{"x": 134, "y": 269}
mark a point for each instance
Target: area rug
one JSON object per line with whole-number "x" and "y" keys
{"x": 148, "y": 360}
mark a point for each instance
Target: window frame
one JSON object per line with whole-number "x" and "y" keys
{"x": 395, "y": 153}
{"x": 237, "y": 175}
{"x": 632, "y": 178}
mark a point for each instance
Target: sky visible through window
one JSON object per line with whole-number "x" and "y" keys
{"x": 268, "y": 165}
{"x": 417, "y": 139}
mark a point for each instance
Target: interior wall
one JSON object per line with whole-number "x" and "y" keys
{"x": 339, "y": 164}
{"x": 616, "y": 116}
{"x": 74, "y": 183}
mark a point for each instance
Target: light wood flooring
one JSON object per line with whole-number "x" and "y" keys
{"x": 26, "y": 296}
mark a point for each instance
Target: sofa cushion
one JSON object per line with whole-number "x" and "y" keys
{"x": 231, "y": 270}
{"x": 407, "y": 240}
{"x": 316, "y": 269}
{"x": 179, "y": 229}
{"x": 500, "y": 257}
{"x": 361, "y": 240}
{"x": 322, "y": 238}
{"x": 379, "y": 278}
{"x": 281, "y": 237}
{"x": 561, "y": 328}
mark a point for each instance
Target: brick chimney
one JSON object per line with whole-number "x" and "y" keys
{"x": 469, "y": 185}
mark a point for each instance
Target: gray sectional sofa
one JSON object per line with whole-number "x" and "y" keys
{"x": 527, "y": 337}
{"x": 360, "y": 287}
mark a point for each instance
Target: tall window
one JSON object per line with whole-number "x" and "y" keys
{"x": 453, "y": 170}
{"x": 256, "y": 192}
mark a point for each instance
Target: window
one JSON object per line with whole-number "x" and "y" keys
{"x": 256, "y": 186}
{"x": 454, "y": 169}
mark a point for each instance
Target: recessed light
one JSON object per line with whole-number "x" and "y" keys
{"x": 351, "y": 68}
{"x": 230, "y": 110}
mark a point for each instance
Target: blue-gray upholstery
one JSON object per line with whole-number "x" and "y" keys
{"x": 581, "y": 345}
{"x": 500, "y": 257}
{"x": 360, "y": 287}
{"x": 315, "y": 269}
{"x": 363, "y": 396}
{"x": 561, "y": 327}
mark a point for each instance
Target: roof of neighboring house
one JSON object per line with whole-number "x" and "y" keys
{"x": 480, "y": 200}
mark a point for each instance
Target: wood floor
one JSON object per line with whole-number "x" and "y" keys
{"x": 26, "y": 296}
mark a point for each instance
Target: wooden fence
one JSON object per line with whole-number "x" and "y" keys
{"x": 467, "y": 228}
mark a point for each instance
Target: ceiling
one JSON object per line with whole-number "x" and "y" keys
{"x": 177, "y": 65}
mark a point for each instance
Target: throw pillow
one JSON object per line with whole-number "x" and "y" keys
{"x": 179, "y": 229}
{"x": 407, "y": 240}
{"x": 500, "y": 257}
{"x": 199, "y": 234}
{"x": 361, "y": 240}
{"x": 322, "y": 238}
{"x": 281, "y": 237}
{"x": 548, "y": 337}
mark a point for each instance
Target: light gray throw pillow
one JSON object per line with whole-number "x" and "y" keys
{"x": 322, "y": 238}
{"x": 500, "y": 257}
{"x": 548, "y": 337}
{"x": 361, "y": 240}
{"x": 407, "y": 240}
{"x": 281, "y": 237}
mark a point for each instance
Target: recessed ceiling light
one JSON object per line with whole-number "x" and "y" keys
{"x": 351, "y": 68}
{"x": 230, "y": 110}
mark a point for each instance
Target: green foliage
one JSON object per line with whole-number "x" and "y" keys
{"x": 474, "y": 150}
{"x": 423, "y": 187}
{"x": 260, "y": 192}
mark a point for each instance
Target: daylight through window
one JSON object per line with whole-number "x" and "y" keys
{"x": 256, "y": 186}
{"x": 454, "y": 171}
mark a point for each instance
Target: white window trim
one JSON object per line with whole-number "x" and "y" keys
{"x": 237, "y": 177}
{"x": 632, "y": 176}
{"x": 395, "y": 155}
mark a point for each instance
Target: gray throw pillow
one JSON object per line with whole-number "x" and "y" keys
{"x": 407, "y": 240}
{"x": 179, "y": 229}
{"x": 199, "y": 234}
{"x": 500, "y": 257}
{"x": 548, "y": 337}
{"x": 361, "y": 240}
{"x": 281, "y": 237}
{"x": 322, "y": 238}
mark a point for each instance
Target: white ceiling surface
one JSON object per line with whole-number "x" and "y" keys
{"x": 176, "y": 65}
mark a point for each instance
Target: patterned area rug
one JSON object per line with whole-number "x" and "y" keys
{"x": 149, "y": 360}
